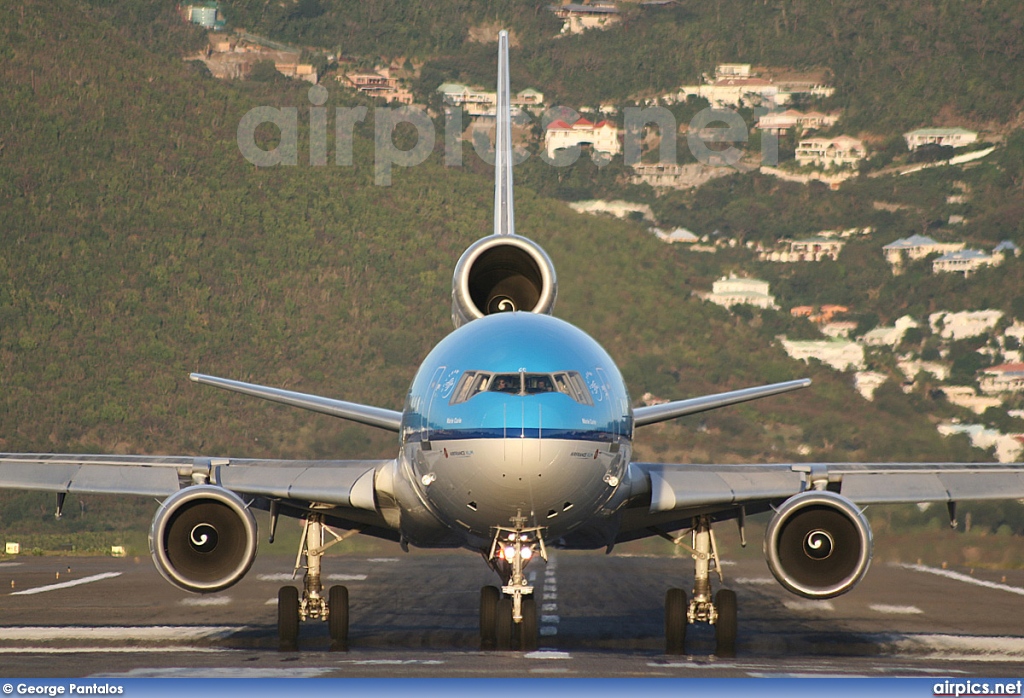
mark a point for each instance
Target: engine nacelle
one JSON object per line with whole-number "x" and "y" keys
{"x": 203, "y": 538}
{"x": 502, "y": 273}
{"x": 818, "y": 544}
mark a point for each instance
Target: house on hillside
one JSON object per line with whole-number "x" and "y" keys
{"x": 1007, "y": 378}
{"x": 830, "y": 152}
{"x": 953, "y": 137}
{"x": 678, "y": 235}
{"x": 968, "y": 323}
{"x": 916, "y": 247}
{"x": 602, "y": 137}
{"x": 378, "y": 85}
{"x": 965, "y": 262}
{"x": 577, "y": 18}
{"x": 838, "y": 353}
{"x": 779, "y": 122}
{"x": 889, "y": 336}
{"x": 813, "y": 249}
{"x": 733, "y": 290}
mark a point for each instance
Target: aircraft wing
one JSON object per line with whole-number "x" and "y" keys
{"x": 661, "y": 493}
{"x": 343, "y": 483}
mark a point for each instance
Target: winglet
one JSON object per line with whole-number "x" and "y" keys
{"x": 504, "y": 218}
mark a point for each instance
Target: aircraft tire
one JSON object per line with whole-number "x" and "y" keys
{"x": 503, "y": 625}
{"x": 337, "y": 618}
{"x": 725, "y": 627}
{"x": 288, "y": 619}
{"x": 675, "y": 621}
{"x": 528, "y": 628}
{"x": 489, "y": 597}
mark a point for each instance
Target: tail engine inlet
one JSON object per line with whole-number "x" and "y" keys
{"x": 203, "y": 538}
{"x": 818, "y": 544}
{"x": 502, "y": 273}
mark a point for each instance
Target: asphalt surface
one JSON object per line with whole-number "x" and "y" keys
{"x": 416, "y": 615}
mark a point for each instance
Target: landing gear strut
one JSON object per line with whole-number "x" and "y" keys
{"x": 681, "y": 612}
{"x": 508, "y": 617}
{"x": 291, "y": 610}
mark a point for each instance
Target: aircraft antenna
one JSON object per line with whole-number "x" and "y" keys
{"x": 504, "y": 218}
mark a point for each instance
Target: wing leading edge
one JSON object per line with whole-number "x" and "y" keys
{"x": 342, "y": 483}
{"x": 680, "y": 488}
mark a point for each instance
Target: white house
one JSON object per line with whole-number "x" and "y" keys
{"x": 955, "y": 137}
{"x": 965, "y": 262}
{"x": 837, "y": 353}
{"x": 602, "y": 136}
{"x": 733, "y": 290}
{"x": 889, "y": 336}
{"x": 733, "y": 92}
{"x": 830, "y": 152}
{"x": 916, "y": 247}
{"x": 969, "y": 323}
{"x": 678, "y": 235}
{"x": 780, "y": 122}
{"x": 1007, "y": 378}
{"x": 578, "y": 17}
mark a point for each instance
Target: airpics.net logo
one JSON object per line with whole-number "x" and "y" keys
{"x": 973, "y": 689}
{"x": 712, "y": 135}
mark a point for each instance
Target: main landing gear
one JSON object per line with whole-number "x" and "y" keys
{"x": 721, "y": 613}
{"x": 508, "y": 616}
{"x": 291, "y": 610}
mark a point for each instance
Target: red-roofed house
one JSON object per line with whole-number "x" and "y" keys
{"x": 1007, "y": 378}
{"x": 603, "y": 137}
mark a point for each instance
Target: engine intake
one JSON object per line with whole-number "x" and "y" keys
{"x": 818, "y": 544}
{"x": 203, "y": 538}
{"x": 502, "y": 273}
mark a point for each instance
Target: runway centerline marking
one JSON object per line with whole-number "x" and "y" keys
{"x": 66, "y": 585}
{"x": 960, "y": 577}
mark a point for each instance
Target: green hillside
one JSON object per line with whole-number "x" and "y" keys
{"x": 896, "y": 65}
{"x": 138, "y": 245}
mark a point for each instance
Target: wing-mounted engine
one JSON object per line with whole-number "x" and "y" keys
{"x": 502, "y": 273}
{"x": 818, "y": 544}
{"x": 203, "y": 538}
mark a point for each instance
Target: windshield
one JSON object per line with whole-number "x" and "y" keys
{"x": 566, "y": 382}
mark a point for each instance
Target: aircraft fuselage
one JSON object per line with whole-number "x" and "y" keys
{"x": 514, "y": 414}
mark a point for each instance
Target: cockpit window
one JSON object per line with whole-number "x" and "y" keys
{"x": 566, "y": 382}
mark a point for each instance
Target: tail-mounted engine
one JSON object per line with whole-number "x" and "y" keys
{"x": 502, "y": 273}
{"x": 818, "y": 544}
{"x": 203, "y": 538}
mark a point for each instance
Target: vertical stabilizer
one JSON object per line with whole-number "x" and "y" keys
{"x": 504, "y": 218}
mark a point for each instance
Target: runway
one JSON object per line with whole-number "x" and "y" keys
{"x": 415, "y": 615}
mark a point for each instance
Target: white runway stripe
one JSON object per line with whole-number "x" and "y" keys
{"x": 756, "y": 581}
{"x": 145, "y": 633}
{"x": 67, "y": 585}
{"x": 809, "y": 605}
{"x": 960, "y": 577}
{"x": 895, "y": 610}
{"x": 206, "y": 601}
{"x": 347, "y": 577}
{"x": 108, "y": 650}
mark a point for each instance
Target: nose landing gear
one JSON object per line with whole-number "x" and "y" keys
{"x": 508, "y": 617}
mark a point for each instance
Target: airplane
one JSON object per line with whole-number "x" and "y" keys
{"x": 515, "y": 438}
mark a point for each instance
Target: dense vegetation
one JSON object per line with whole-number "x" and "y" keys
{"x": 897, "y": 65}
{"x": 138, "y": 245}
